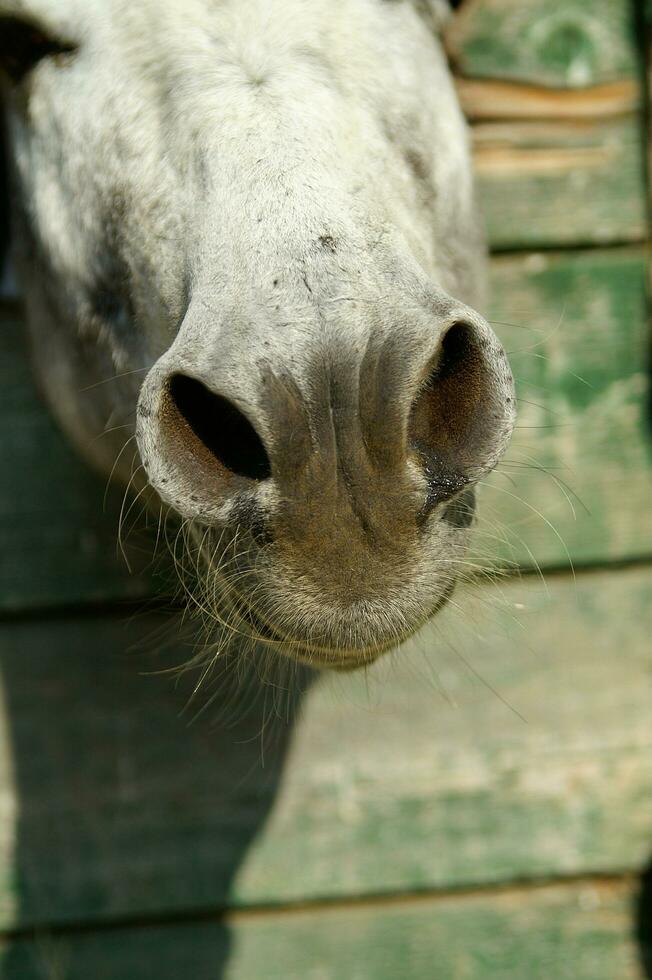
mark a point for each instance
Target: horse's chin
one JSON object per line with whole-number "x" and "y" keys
{"x": 311, "y": 654}
{"x": 340, "y": 659}
{"x": 336, "y": 657}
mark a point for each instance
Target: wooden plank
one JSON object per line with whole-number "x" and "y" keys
{"x": 561, "y": 182}
{"x": 598, "y": 439}
{"x": 483, "y": 99}
{"x": 580, "y": 931}
{"x": 577, "y": 481}
{"x": 511, "y": 740}
{"x": 644, "y": 31}
{"x": 574, "y": 43}
{"x": 58, "y": 542}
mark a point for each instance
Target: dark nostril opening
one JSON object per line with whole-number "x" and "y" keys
{"x": 220, "y": 427}
{"x": 451, "y": 424}
{"x": 458, "y": 345}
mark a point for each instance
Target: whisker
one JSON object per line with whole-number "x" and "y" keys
{"x": 113, "y": 377}
{"x": 113, "y": 468}
{"x": 541, "y": 516}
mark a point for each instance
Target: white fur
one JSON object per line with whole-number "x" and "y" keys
{"x": 196, "y": 154}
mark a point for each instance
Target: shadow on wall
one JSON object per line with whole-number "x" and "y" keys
{"x": 4, "y": 197}
{"x": 643, "y": 919}
{"x": 128, "y": 814}
{"x": 642, "y": 24}
{"x": 649, "y": 373}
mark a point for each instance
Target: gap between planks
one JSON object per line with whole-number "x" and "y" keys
{"x": 122, "y": 609}
{"x": 518, "y": 887}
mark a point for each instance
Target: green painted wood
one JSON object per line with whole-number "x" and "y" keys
{"x": 569, "y": 182}
{"x": 645, "y": 29}
{"x": 575, "y": 314}
{"x": 59, "y": 542}
{"x": 581, "y": 931}
{"x": 510, "y": 740}
{"x": 577, "y": 481}
{"x": 563, "y": 43}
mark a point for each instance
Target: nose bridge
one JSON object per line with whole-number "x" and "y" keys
{"x": 314, "y": 422}
{"x": 351, "y": 407}
{"x": 335, "y": 393}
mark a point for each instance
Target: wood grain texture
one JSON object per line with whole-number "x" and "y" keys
{"x": 575, "y": 43}
{"x": 510, "y": 740}
{"x": 576, "y": 483}
{"x": 486, "y": 99}
{"x": 561, "y": 182}
{"x": 644, "y": 27}
{"x": 581, "y": 931}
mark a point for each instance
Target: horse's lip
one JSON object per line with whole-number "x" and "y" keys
{"x": 336, "y": 658}
{"x": 313, "y": 655}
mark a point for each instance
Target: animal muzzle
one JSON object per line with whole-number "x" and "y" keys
{"x": 338, "y": 463}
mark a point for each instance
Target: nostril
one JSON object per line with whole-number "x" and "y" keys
{"x": 452, "y": 424}
{"x": 457, "y": 344}
{"x": 219, "y": 427}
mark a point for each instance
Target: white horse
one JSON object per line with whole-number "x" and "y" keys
{"x": 248, "y": 243}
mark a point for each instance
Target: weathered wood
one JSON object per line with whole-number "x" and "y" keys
{"x": 644, "y": 28}
{"x": 482, "y": 99}
{"x": 581, "y": 931}
{"x": 573, "y": 43}
{"x": 58, "y": 545}
{"x": 508, "y": 741}
{"x": 578, "y": 316}
{"x": 577, "y": 481}
{"x": 561, "y": 182}
{"x": 540, "y": 769}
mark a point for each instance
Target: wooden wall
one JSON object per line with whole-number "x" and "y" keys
{"x": 477, "y": 807}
